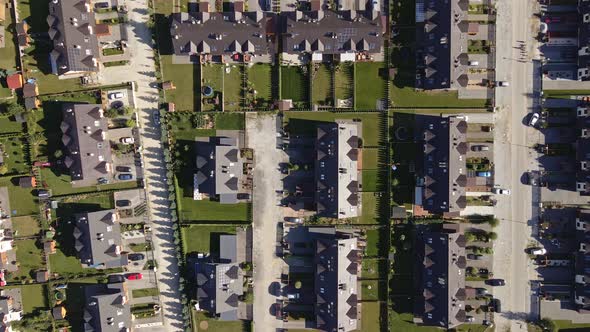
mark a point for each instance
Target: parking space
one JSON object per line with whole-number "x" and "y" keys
{"x": 117, "y": 98}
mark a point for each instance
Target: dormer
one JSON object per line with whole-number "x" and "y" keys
{"x": 582, "y": 111}
{"x": 582, "y": 225}
{"x": 582, "y": 279}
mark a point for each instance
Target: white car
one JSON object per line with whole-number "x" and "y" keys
{"x": 537, "y": 251}
{"x": 127, "y": 140}
{"x": 115, "y": 95}
{"x": 473, "y": 63}
{"x": 534, "y": 119}
{"x": 503, "y": 83}
{"x": 501, "y": 191}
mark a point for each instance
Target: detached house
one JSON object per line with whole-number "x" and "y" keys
{"x": 98, "y": 239}
{"x": 107, "y": 308}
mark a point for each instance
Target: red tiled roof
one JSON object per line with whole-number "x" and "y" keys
{"x": 14, "y": 81}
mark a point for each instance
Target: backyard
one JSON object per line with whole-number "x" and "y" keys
{"x": 344, "y": 81}
{"x": 369, "y": 84}
{"x": 8, "y": 53}
{"x": 321, "y": 85}
{"x": 26, "y": 226}
{"x": 232, "y": 87}
{"x": 22, "y": 200}
{"x": 211, "y": 77}
{"x": 8, "y": 124}
{"x": 202, "y": 323}
{"x": 186, "y": 96}
{"x": 204, "y": 238}
{"x": 13, "y": 151}
{"x": 295, "y": 85}
{"x": 260, "y": 80}
{"x": 29, "y": 257}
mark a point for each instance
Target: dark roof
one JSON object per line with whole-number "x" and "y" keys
{"x": 75, "y": 45}
{"x": 30, "y": 90}
{"x": 84, "y": 136}
{"x": 107, "y": 308}
{"x": 20, "y": 28}
{"x": 26, "y": 182}
{"x": 433, "y": 37}
{"x": 444, "y": 164}
{"x": 220, "y": 33}
{"x": 329, "y": 32}
{"x": 440, "y": 278}
{"x": 30, "y": 103}
{"x": 583, "y": 37}
{"x": 98, "y": 239}
{"x": 582, "y": 260}
{"x": 336, "y": 171}
{"x": 219, "y": 168}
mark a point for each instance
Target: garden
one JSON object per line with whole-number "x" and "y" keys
{"x": 232, "y": 87}
{"x": 204, "y": 238}
{"x": 211, "y": 87}
{"x": 185, "y": 78}
{"x": 369, "y": 84}
{"x": 295, "y": 85}
{"x": 259, "y": 89}
{"x": 321, "y": 85}
{"x": 344, "y": 84}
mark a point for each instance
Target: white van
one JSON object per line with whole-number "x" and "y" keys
{"x": 473, "y": 63}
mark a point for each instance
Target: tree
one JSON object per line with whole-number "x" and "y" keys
{"x": 547, "y": 324}
{"x": 395, "y": 182}
{"x": 111, "y": 113}
{"x": 12, "y": 108}
{"x": 493, "y": 222}
{"x": 58, "y": 154}
{"x": 492, "y": 236}
{"x": 470, "y": 237}
{"x": 297, "y": 284}
{"x": 3, "y": 169}
{"x": 130, "y": 123}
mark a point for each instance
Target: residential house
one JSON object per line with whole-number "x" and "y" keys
{"x": 220, "y": 168}
{"x": 442, "y": 186}
{"x": 11, "y": 309}
{"x": 336, "y": 169}
{"x": 336, "y": 266}
{"x": 14, "y": 81}
{"x": 98, "y": 239}
{"x": 22, "y": 37}
{"x": 107, "y": 308}
{"x": 326, "y": 35}
{"x": 441, "y": 37}
{"x": 222, "y": 37}
{"x": 58, "y": 312}
{"x": 84, "y": 136}
{"x": 30, "y": 93}
{"x": 440, "y": 277}
{"x": 27, "y": 182}
{"x": 220, "y": 280}
{"x": 75, "y": 45}
{"x": 582, "y": 263}
{"x": 7, "y": 250}
{"x": 583, "y": 41}
{"x": 583, "y": 150}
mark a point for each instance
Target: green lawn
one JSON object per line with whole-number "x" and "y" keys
{"x": 371, "y": 317}
{"x": 145, "y": 292}
{"x": 564, "y": 93}
{"x": 26, "y": 226}
{"x": 212, "y": 76}
{"x": 563, "y": 325}
{"x": 370, "y": 180}
{"x": 140, "y": 247}
{"x": 370, "y": 210}
{"x": 184, "y": 129}
{"x": 22, "y": 201}
{"x": 404, "y": 322}
{"x": 260, "y": 80}
{"x": 196, "y": 238}
{"x": 34, "y": 298}
{"x": 187, "y": 94}
{"x": 294, "y": 85}
{"x": 370, "y": 158}
{"x": 232, "y": 88}
{"x": 9, "y": 125}
{"x": 370, "y": 289}
{"x": 407, "y": 96}
{"x": 344, "y": 81}
{"x": 29, "y": 257}
{"x": 303, "y": 123}
{"x": 206, "y": 210}
{"x": 321, "y": 85}
{"x": 369, "y": 84}
{"x": 373, "y": 241}
{"x": 13, "y": 149}
{"x": 37, "y": 66}
{"x": 230, "y": 121}
{"x": 60, "y": 183}
{"x": 60, "y": 263}
{"x": 199, "y": 319}
{"x": 371, "y": 267}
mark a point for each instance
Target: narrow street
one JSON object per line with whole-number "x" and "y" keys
{"x": 142, "y": 72}
{"x": 514, "y": 156}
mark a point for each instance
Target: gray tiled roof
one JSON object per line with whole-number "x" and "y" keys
{"x": 84, "y": 136}
{"x": 71, "y": 27}
{"x": 220, "y": 33}
{"x": 444, "y": 164}
{"x": 337, "y": 179}
{"x": 97, "y": 237}
{"x": 107, "y": 308}
{"x": 440, "y": 278}
{"x": 330, "y": 32}
{"x": 582, "y": 261}
{"x": 220, "y": 168}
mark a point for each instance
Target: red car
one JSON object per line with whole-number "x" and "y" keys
{"x": 2, "y": 280}
{"x": 134, "y": 276}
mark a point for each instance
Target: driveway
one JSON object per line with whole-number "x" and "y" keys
{"x": 142, "y": 72}
{"x": 261, "y": 135}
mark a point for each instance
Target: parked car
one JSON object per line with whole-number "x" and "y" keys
{"x": 536, "y": 251}
{"x": 294, "y": 219}
{"x": 42, "y": 193}
{"x": 156, "y": 117}
{"x": 495, "y": 282}
{"x": 501, "y": 191}
{"x": 474, "y": 256}
{"x": 115, "y": 95}
{"x": 127, "y": 140}
{"x": 534, "y": 119}
{"x": 125, "y": 176}
{"x": 496, "y": 305}
{"x": 134, "y": 276}
{"x": 480, "y": 148}
{"x": 135, "y": 257}
{"x": 2, "y": 279}
{"x": 481, "y": 291}
{"x": 503, "y": 83}
{"x": 123, "y": 203}
{"x": 469, "y": 319}
{"x": 473, "y": 63}
{"x": 483, "y": 271}
{"x": 531, "y": 179}
{"x": 61, "y": 286}
{"x": 114, "y": 278}
{"x": 101, "y": 5}
{"x": 103, "y": 181}
{"x": 123, "y": 169}
{"x": 485, "y": 174}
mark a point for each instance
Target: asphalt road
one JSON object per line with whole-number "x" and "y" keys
{"x": 513, "y": 156}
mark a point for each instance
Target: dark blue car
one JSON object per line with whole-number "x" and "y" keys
{"x": 125, "y": 176}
